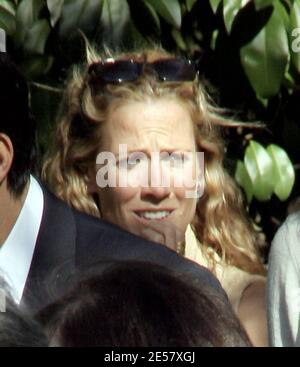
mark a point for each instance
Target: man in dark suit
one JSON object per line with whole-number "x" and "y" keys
{"x": 41, "y": 238}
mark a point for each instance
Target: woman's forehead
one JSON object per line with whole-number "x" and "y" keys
{"x": 166, "y": 123}
{"x": 152, "y": 113}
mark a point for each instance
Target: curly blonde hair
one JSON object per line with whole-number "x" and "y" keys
{"x": 220, "y": 220}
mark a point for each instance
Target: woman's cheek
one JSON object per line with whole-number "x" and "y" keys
{"x": 183, "y": 181}
{"x": 127, "y": 188}
{"x": 134, "y": 177}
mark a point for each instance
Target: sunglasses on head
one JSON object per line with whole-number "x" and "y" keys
{"x": 118, "y": 71}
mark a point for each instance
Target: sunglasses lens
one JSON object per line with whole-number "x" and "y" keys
{"x": 175, "y": 70}
{"x": 172, "y": 70}
{"x": 116, "y": 71}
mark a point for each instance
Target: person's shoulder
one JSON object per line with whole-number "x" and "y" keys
{"x": 292, "y": 221}
{"x": 84, "y": 222}
{"x": 98, "y": 239}
{"x": 235, "y": 281}
{"x": 290, "y": 228}
{"x": 91, "y": 224}
{"x": 286, "y": 239}
{"x": 252, "y": 312}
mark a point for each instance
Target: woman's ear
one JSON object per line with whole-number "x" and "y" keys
{"x": 6, "y": 156}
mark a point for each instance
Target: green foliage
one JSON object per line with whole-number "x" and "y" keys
{"x": 284, "y": 174}
{"x": 265, "y": 171}
{"x": 55, "y": 9}
{"x": 115, "y": 15}
{"x": 260, "y": 169}
{"x": 260, "y": 4}
{"x": 27, "y": 15}
{"x": 190, "y": 4}
{"x": 36, "y": 37}
{"x": 230, "y": 10}
{"x": 247, "y": 50}
{"x": 169, "y": 10}
{"x": 243, "y": 178}
{"x": 7, "y": 17}
{"x": 81, "y": 14}
{"x": 265, "y": 58}
{"x": 215, "y": 4}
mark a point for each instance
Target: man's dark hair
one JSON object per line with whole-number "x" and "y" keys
{"x": 17, "y": 327}
{"x": 16, "y": 123}
{"x": 139, "y": 304}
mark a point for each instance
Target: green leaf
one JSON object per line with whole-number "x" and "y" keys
{"x": 138, "y": 39}
{"x": 260, "y": 4}
{"x": 169, "y": 10}
{"x": 284, "y": 14}
{"x": 114, "y": 18}
{"x": 230, "y": 10}
{"x": 263, "y": 101}
{"x": 214, "y": 37}
{"x": 284, "y": 174}
{"x": 27, "y": 13}
{"x": 153, "y": 13}
{"x": 295, "y": 35}
{"x": 289, "y": 81}
{"x": 190, "y": 4}
{"x": 243, "y": 179}
{"x": 7, "y": 17}
{"x": 265, "y": 58}
{"x": 215, "y": 4}
{"x": 55, "y": 10}
{"x": 179, "y": 39}
{"x": 149, "y": 23}
{"x": 259, "y": 166}
{"x": 8, "y": 6}
{"x": 36, "y": 66}
{"x": 36, "y": 37}
{"x": 79, "y": 14}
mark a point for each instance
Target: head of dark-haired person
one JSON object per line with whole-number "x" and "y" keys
{"x": 17, "y": 131}
{"x": 137, "y": 304}
{"x": 17, "y": 144}
{"x": 17, "y": 327}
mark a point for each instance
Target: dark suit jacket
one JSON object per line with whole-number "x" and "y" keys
{"x": 69, "y": 240}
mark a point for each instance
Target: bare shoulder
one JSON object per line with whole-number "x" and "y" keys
{"x": 253, "y": 314}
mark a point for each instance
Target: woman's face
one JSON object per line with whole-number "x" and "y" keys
{"x": 148, "y": 188}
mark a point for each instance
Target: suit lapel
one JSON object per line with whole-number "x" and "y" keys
{"x": 54, "y": 256}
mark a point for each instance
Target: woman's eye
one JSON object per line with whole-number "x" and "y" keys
{"x": 136, "y": 158}
{"x": 174, "y": 158}
{"x": 132, "y": 161}
{"x": 177, "y": 157}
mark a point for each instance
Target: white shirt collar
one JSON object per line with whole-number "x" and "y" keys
{"x": 17, "y": 251}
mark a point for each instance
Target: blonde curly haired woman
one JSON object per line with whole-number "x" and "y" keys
{"x": 152, "y": 101}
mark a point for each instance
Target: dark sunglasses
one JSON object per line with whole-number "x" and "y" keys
{"x": 118, "y": 71}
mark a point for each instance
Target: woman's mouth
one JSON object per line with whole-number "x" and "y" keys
{"x": 154, "y": 214}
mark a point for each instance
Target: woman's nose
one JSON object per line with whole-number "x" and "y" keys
{"x": 155, "y": 194}
{"x": 158, "y": 187}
